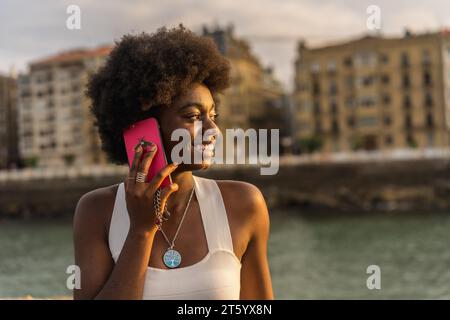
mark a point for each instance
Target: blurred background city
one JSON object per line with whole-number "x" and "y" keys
{"x": 363, "y": 114}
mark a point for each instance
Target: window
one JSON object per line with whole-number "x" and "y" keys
{"x": 404, "y": 60}
{"x": 388, "y": 140}
{"x": 406, "y": 81}
{"x": 76, "y": 101}
{"x": 406, "y": 102}
{"x": 428, "y": 100}
{"x": 408, "y": 122}
{"x": 367, "y": 121}
{"x": 316, "y": 88}
{"x": 384, "y": 58}
{"x": 307, "y": 106}
{"x": 349, "y": 102}
{"x": 366, "y": 81}
{"x": 349, "y": 82}
{"x": 348, "y": 62}
{"x": 429, "y": 121}
{"x": 385, "y": 79}
{"x": 387, "y": 120}
{"x": 304, "y": 126}
{"x": 351, "y": 121}
{"x": 426, "y": 59}
{"x": 317, "y": 126}
{"x": 315, "y": 67}
{"x": 334, "y": 126}
{"x": 430, "y": 139}
{"x": 427, "y": 78}
{"x": 333, "y": 88}
{"x": 316, "y": 107}
{"x": 367, "y": 101}
{"x": 410, "y": 141}
{"x": 365, "y": 59}
{"x": 386, "y": 99}
{"x": 331, "y": 66}
{"x": 333, "y": 107}
{"x": 299, "y": 86}
{"x": 335, "y": 143}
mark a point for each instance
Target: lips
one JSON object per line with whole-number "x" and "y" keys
{"x": 206, "y": 148}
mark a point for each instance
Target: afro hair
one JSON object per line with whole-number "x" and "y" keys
{"x": 152, "y": 68}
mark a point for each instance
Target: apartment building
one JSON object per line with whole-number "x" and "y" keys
{"x": 256, "y": 98}
{"x": 55, "y": 125}
{"x": 374, "y": 93}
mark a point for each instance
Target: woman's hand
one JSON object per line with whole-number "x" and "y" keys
{"x": 139, "y": 195}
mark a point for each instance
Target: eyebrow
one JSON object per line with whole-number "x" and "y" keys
{"x": 196, "y": 104}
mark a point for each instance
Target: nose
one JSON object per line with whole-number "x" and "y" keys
{"x": 211, "y": 130}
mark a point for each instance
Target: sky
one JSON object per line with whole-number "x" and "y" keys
{"x": 30, "y": 30}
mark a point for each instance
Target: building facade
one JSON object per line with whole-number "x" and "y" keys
{"x": 55, "y": 125}
{"x": 255, "y": 98}
{"x": 374, "y": 93}
{"x": 9, "y": 155}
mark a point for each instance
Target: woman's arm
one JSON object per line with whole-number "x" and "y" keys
{"x": 100, "y": 277}
{"x": 256, "y": 282}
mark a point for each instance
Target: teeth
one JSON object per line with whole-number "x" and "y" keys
{"x": 202, "y": 147}
{"x": 198, "y": 147}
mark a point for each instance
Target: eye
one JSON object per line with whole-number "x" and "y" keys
{"x": 214, "y": 116}
{"x": 194, "y": 116}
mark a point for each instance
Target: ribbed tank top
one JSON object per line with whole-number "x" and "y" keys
{"x": 215, "y": 277}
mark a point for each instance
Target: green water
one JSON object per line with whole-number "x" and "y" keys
{"x": 309, "y": 258}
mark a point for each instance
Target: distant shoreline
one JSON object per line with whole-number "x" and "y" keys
{"x": 332, "y": 188}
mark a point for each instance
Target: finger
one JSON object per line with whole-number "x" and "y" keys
{"x": 134, "y": 165}
{"x": 161, "y": 175}
{"x": 166, "y": 192}
{"x": 144, "y": 165}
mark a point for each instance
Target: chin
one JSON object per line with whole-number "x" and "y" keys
{"x": 204, "y": 152}
{"x": 205, "y": 164}
{"x": 195, "y": 167}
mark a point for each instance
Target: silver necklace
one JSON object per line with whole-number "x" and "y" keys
{"x": 172, "y": 258}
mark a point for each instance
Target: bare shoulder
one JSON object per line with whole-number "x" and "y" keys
{"x": 94, "y": 209}
{"x": 246, "y": 202}
{"x": 247, "y": 194}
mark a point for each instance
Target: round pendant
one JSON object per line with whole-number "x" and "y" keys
{"x": 172, "y": 258}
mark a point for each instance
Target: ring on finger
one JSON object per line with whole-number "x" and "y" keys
{"x": 140, "y": 177}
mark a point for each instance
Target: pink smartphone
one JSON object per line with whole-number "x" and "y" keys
{"x": 147, "y": 130}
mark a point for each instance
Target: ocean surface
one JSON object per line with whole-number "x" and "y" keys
{"x": 310, "y": 257}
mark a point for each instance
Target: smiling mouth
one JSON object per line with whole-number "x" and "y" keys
{"x": 208, "y": 147}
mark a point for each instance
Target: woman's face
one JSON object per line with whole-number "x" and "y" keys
{"x": 196, "y": 105}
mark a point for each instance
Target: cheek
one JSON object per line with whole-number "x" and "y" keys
{"x": 167, "y": 134}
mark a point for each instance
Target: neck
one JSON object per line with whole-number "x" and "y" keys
{"x": 178, "y": 200}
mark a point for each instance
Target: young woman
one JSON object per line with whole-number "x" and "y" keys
{"x": 219, "y": 228}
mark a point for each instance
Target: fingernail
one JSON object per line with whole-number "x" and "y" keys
{"x": 175, "y": 164}
{"x": 138, "y": 148}
{"x": 152, "y": 146}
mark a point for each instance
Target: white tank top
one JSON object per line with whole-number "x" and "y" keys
{"x": 215, "y": 277}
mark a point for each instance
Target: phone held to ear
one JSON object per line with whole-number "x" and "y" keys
{"x": 147, "y": 130}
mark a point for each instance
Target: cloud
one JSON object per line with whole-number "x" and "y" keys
{"x": 32, "y": 29}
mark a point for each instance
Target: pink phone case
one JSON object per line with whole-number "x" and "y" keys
{"x": 148, "y": 130}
